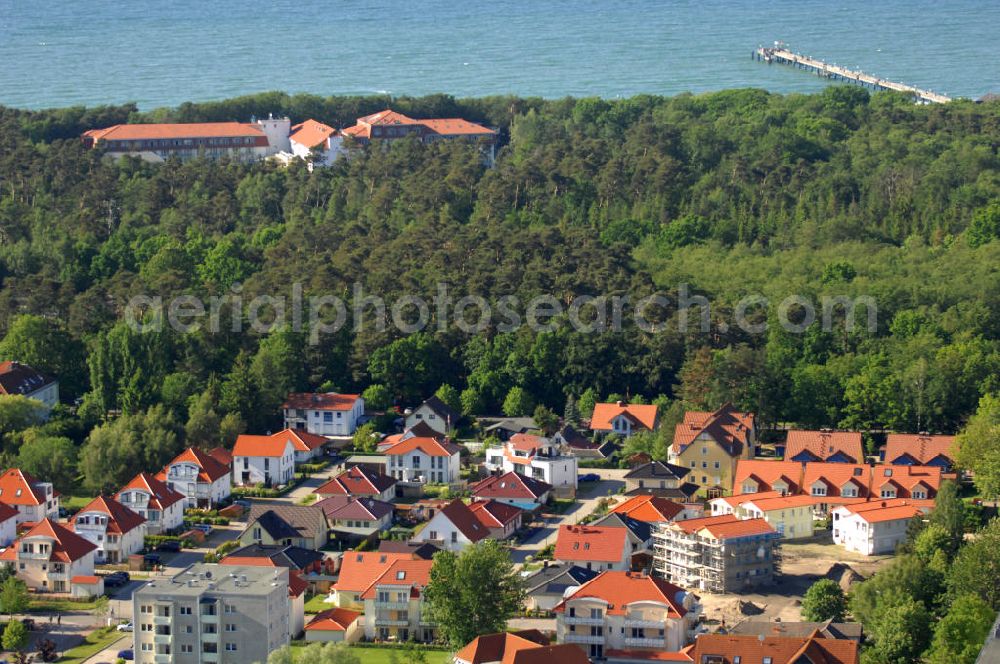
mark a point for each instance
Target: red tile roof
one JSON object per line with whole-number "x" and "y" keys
{"x": 222, "y": 455}
{"x": 527, "y": 442}
{"x": 494, "y": 514}
{"x": 650, "y": 655}
{"x": 20, "y": 488}
{"x": 727, "y": 426}
{"x": 780, "y": 649}
{"x": 320, "y": 401}
{"x": 465, "y": 520}
{"x": 358, "y": 570}
{"x": 210, "y": 467}
{"x": 887, "y": 513}
{"x": 121, "y": 519}
{"x": 604, "y": 413}
{"x": 620, "y": 589}
{"x": 135, "y": 132}
{"x": 429, "y": 446}
{"x": 768, "y": 502}
{"x": 591, "y": 543}
{"x": 921, "y": 448}
{"x": 161, "y": 496}
{"x": 302, "y": 440}
{"x": 387, "y": 117}
{"x": 7, "y": 512}
{"x": 725, "y": 526}
{"x": 365, "y": 508}
{"x": 907, "y": 478}
{"x": 356, "y": 481}
{"x": 767, "y": 473}
{"x": 260, "y": 446}
{"x": 648, "y": 508}
{"x": 510, "y": 485}
{"x": 85, "y": 580}
{"x": 17, "y": 378}
{"x": 456, "y": 127}
{"x": 491, "y": 647}
{"x": 311, "y": 133}
{"x": 824, "y": 444}
{"x": 333, "y": 620}
{"x": 413, "y": 573}
{"x": 67, "y": 546}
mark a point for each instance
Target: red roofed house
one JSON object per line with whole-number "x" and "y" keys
{"x": 308, "y": 446}
{"x": 265, "y": 460}
{"x": 740, "y": 649}
{"x": 877, "y": 526}
{"x": 355, "y": 518}
{"x": 161, "y": 506}
{"x": 617, "y": 613}
{"x": 829, "y": 446}
{"x": 718, "y": 554}
{"x": 114, "y": 529}
{"x": 653, "y": 509}
{"x": 316, "y": 142}
{"x": 423, "y": 459}
{"x": 358, "y": 571}
{"x": 389, "y": 125}
{"x": 501, "y": 520}
{"x": 325, "y": 414}
{"x": 524, "y": 647}
{"x": 454, "y": 527}
{"x": 49, "y": 556}
{"x": 8, "y": 524}
{"x": 32, "y": 499}
{"x": 514, "y": 489}
{"x": 359, "y": 482}
{"x": 203, "y": 480}
{"x": 18, "y": 378}
{"x": 336, "y": 626}
{"x": 711, "y": 445}
{"x": 598, "y": 548}
{"x": 623, "y": 418}
{"x": 759, "y": 476}
{"x": 903, "y": 449}
{"x": 791, "y": 516}
{"x": 536, "y": 457}
{"x": 394, "y": 603}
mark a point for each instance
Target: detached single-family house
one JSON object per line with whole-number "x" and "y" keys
{"x": 902, "y": 449}
{"x": 153, "y": 500}
{"x": 546, "y": 588}
{"x": 328, "y": 414}
{"x": 203, "y": 479}
{"x": 597, "y": 548}
{"x": 653, "y": 509}
{"x": 657, "y": 478}
{"x": 501, "y": 519}
{"x": 360, "y": 482}
{"x": 395, "y": 609}
{"x": 288, "y": 525}
{"x": 535, "y": 457}
{"x": 114, "y": 529}
{"x": 623, "y": 418}
{"x": 828, "y": 446}
{"x": 640, "y": 533}
{"x": 354, "y": 518}
{"x": 32, "y": 499}
{"x": 875, "y": 527}
{"x": 18, "y": 378}
{"x": 711, "y": 445}
{"x": 358, "y": 571}
{"x": 420, "y": 460}
{"x": 266, "y": 460}
{"x": 514, "y": 489}
{"x": 52, "y": 558}
{"x": 307, "y": 446}
{"x": 454, "y": 527}
{"x": 436, "y": 414}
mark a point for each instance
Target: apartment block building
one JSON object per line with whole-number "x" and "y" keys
{"x": 212, "y": 613}
{"x": 717, "y": 554}
{"x": 535, "y": 457}
{"x": 395, "y": 609}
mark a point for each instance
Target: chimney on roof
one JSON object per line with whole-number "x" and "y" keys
{"x": 619, "y": 403}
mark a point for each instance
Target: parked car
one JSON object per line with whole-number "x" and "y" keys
{"x": 589, "y": 477}
{"x": 169, "y": 546}
{"x": 127, "y": 655}
{"x": 204, "y": 527}
{"x": 117, "y": 579}
{"x": 126, "y": 627}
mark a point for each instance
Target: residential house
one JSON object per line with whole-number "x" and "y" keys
{"x": 536, "y": 457}
{"x": 153, "y": 500}
{"x": 315, "y": 142}
{"x": 662, "y": 479}
{"x": 21, "y": 379}
{"x": 502, "y": 520}
{"x": 267, "y": 460}
{"x": 32, "y": 499}
{"x": 297, "y": 586}
{"x": 328, "y": 414}
{"x": 353, "y": 519}
{"x": 518, "y": 490}
{"x": 828, "y": 446}
{"x": 388, "y": 125}
{"x": 419, "y": 430}
{"x": 505, "y": 427}
{"x": 638, "y": 533}
{"x": 8, "y": 524}
{"x": 305, "y": 562}
{"x": 876, "y": 527}
{"x": 283, "y": 524}
{"x": 902, "y": 449}
{"x": 791, "y": 516}
{"x": 761, "y": 649}
{"x": 827, "y": 629}
{"x": 212, "y": 613}
{"x": 524, "y": 647}
{"x": 51, "y": 558}
{"x": 594, "y": 547}
{"x": 626, "y": 611}
{"x": 422, "y": 550}
{"x": 454, "y": 527}
{"x": 336, "y": 626}
{"x": 114, "y": 529}
{"x": 308, "y": 446}
{"x": 623, "y": 418}
{"x": 395, "y": 609}
{"x": 711, "y": 445}
{"x": 717, "y": 554}
{"x": 653, "y": 509}
{"x": 758, "y": 476}
{"x": 545, "y": 588}
{"x": 360, "y": 483}
{"x": 420, "y": 460}
{"x": 578, "y": 445}
{"x": 835, "y": 487}
{"x": 436, "y": 414}
{"x": 203, "y": 479}
{"x": 358, "y": 570}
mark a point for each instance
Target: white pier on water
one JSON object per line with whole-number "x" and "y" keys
{"x": 783, "y": 56}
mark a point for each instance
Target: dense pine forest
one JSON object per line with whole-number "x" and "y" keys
{"x": 734, "y": 193}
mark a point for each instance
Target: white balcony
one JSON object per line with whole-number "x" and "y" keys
{"x": 385, "y": 622}
{"x": 581, "y": 620}
{"x": 392, "y": 606}
{"x": 636, "y": 642}
{"x": 644, "y": 624}
{"x": 583, "y": 638}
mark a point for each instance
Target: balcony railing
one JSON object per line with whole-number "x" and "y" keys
{"x": 385, "y": 622}
{"x": 641, "y": 623}
{"x": 643, "y": 642}
{"x": 391, "y": 605}
{"x": 583, "y": 638}
{"x": 583, "y": 620}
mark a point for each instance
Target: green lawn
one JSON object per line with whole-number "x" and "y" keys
{"x": 55, "y": 604}
{"x": 316, "y": 604}
{"x": 94, "y": 643}
{"x": 74, "y": 503}
{"x": 381, "y": 655}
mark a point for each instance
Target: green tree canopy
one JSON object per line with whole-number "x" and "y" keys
{"x": 824, "y": 601}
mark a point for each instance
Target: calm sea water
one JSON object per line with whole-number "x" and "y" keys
{"x": 104, "y": 51}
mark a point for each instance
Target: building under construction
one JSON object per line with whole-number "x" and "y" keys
{"x": 717, "y": 554}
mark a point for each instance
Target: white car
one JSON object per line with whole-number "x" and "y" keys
{"x": 125, "y": 627}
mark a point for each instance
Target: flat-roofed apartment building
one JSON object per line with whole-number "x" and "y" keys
{"x": 212, "y": 613}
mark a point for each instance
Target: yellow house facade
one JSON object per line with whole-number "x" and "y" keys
{"x": 791, "y": 516}
{"x": 711, "y": 444}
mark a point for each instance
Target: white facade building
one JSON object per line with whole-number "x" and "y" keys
{"x": 535, "y": 457}
{"x": 153, "y": 500}
{"x": 419, "y": 459}
{"x": 267, "y": 460}
{"x": 874, "y": 527}
{"x": 328, "y": 414}
{"x": 32, "y": 499}
{"x": 204, "y": 481}
{"x": 114, "y": 529}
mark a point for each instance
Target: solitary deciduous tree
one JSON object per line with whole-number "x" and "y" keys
{"x": 824, "y": 601}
